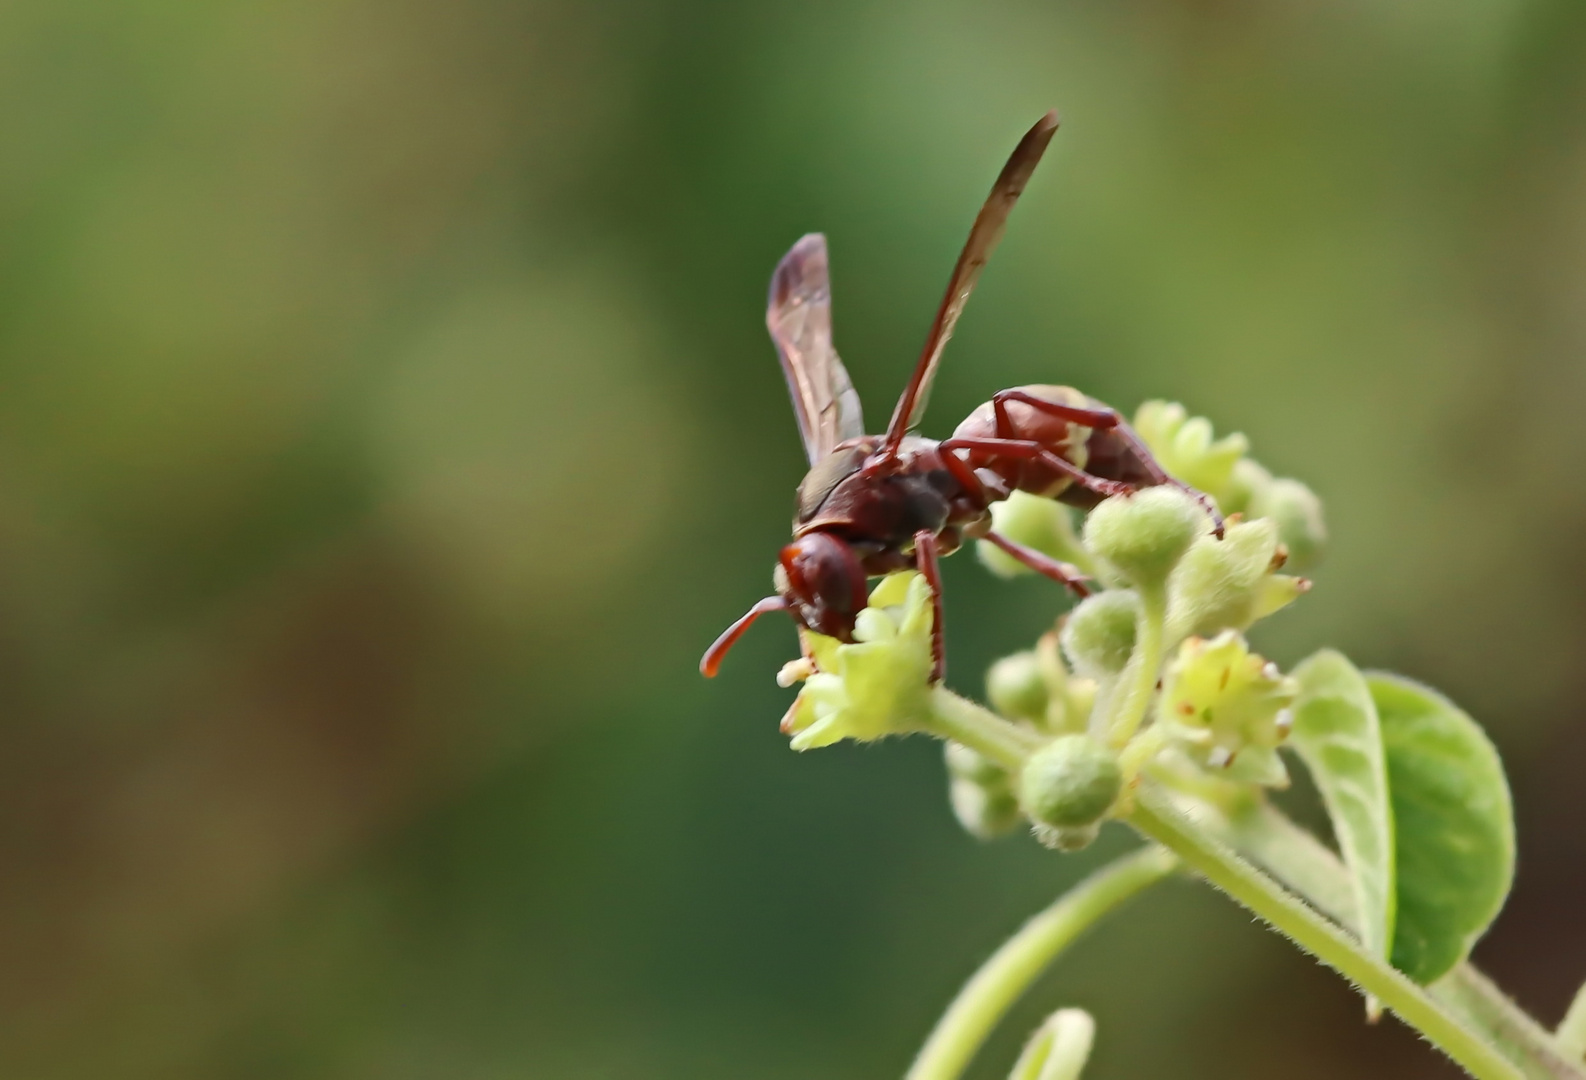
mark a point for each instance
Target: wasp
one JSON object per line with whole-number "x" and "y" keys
{"x": 874, "y": 504}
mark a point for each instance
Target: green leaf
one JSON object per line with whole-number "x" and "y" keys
{"x": 1455, "y": 825}
{"x": 1338, "y": 735}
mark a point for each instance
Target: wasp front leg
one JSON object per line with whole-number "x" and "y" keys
{"x": 926, "y": 558}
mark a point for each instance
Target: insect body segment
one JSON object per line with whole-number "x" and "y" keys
{"x": 876, "y": 504}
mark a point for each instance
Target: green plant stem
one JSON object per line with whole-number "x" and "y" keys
{"x": 1012, "y": 968}
{"x": 1291, "y": 917}
{"x": 1572, "y": 1030}
{"x": 1139, "y": 677}
{"x": 980, "y": 729}
{"x": 1474, "y": 998}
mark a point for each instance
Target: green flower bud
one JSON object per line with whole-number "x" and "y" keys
{"x": 1079, "y": 701}
{"x": 880, "y": 684}
{"x": 1248, "y": 478}
{"x": 1298, "y": 514}
{"x": 1221, "y": 703}
{"x": 1229, "y": 583}
{"x": 1144, "y": 535}
{"x": 1070, "y": 783}
{"x": 1017, "y": 689}
{"x": 1058, "y": 1049}
{"x": 1066, "y": 839}
{"x": 1043, "y": 524}
{"x": 1184, "y": 445}
{"x": 966, "y": 764}
{"x": 1098, "y": 636}
{"x": 985, "y": 812}
{"x": 1069, "y": 700}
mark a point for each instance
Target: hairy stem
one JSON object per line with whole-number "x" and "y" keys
{"x": 1304, "y": 864}
{"x": 1572, "y": 1031}
{"x": 1137, "y": 683}
{"x": 980, "y": 729}
{"x": 1290, "y": 916}
{"x": 1012, "y": 968}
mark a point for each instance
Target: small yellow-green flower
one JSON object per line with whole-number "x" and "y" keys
{"x": 877, "y": 686}
{"x": 1228, "y": 708}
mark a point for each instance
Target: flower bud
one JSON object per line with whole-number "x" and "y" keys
{"x": 1043, "y": 524}
{"x": 1069, "y": 700}
{"x": 964, "y": 763}
{"x": 1229, "y": 583}
{"x": 1070, "y": 783}
{"x": 1017, "y": 689}
{"x": 985, "y": 812}
{"x": 1067, "y": 839}
{"x": 1145, "y": 534}
{"x": 1098, "y": 637}
{"x": 1298, "y": 514}
{"x": 1248, "y": 478}
{"x": 1058, "y": 1049}
{"x": 1223, "y": 704}
{"x": 1079, "y": 701}
{"x": 1184, "y": 446}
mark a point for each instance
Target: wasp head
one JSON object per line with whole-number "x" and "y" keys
{"x": 820, "y": 579}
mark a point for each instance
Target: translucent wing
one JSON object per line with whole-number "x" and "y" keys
{"x": 983, "y": 238}
{"x": 799, "y": 316}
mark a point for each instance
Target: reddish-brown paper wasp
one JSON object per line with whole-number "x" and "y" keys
{"x": 875, "y": 504}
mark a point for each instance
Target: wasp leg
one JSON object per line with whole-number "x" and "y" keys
{"x": 1160, "y": 475}
{"x": 1065, "y": 574}
{"x": 925, "y": 557}
{"x": 1025, "y": 448}
{"x": 1098, "y": 418}
{"x": 971, "y": 482}
{"x": 1106, "y": 418}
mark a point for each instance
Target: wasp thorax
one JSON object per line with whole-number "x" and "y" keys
{"x": 821, "y": 579}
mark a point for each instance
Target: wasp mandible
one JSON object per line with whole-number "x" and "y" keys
{"x": 874, "y": 504}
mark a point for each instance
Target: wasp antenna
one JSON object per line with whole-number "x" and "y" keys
{"x": 983, "y": 237}
{"x": 710, "y": 663}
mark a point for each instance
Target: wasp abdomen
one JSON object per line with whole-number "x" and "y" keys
{"x": 1021, "y": 421}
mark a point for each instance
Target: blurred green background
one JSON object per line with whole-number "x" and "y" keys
{"x": 387, "y": 423}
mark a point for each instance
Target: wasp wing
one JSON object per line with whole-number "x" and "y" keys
{"x": 799, "y": 316}
{"x": 983, "y": 237}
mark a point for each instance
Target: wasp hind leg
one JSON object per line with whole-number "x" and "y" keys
{"x": 1096, "y": 417}
{"x": 1029, "y": 450}
{"x": 1160, "y": 475}
{"x": 1105, "y": 418}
